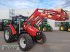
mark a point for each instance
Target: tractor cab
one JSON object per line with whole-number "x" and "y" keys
{"x": 44, "y": 21}
{"x": 17, "y": 22}
{"x": 17, "y": 19}
{"x": 65, "y": 26}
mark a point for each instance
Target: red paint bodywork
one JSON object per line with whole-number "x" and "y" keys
{"x": 30, "y": 29}
{"x": 12, "y": 29}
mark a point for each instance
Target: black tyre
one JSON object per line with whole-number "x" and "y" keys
{"x": 25, "y": 42}
{"x": 8, "y": 35}
{"x": 43, "y": 39}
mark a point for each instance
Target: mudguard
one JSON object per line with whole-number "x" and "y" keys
{"x": 12, "y": 29}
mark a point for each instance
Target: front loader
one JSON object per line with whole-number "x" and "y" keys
{"x": 27, "y": 33}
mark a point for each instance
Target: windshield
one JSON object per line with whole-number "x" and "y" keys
{"x": 69, "y": 23}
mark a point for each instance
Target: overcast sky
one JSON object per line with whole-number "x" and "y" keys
{"x": 19, "y": 4}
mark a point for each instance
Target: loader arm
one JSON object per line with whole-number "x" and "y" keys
{"x": 39, "y": 15}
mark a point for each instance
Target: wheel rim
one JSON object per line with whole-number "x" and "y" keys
{"x": 68, "y": 29}
{"x": 22, "y": 43}
{"x": 44, "y": 29}
{"x": 6, "y": 35}
{"x": 62, "y": 28}
{"x": 39, "y": 28}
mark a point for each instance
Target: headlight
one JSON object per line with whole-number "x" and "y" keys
{"x": 38, "y": 33}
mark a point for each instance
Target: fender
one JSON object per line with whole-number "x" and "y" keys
{"x": 12, "y": 29}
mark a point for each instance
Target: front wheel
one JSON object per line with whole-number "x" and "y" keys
{"x": 42, "y": 39}
{"x": 8, "y": 35}
{"x": 25, "y": 42}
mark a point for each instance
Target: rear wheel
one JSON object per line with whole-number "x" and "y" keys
{"x": 69, "y": 29}
{"x": 62, "y": 28}
{"x": 8, "y": 35}
{"x": 44, "y": 28}
{"x": 25, "y": 42}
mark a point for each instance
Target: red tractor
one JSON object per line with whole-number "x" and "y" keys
{"x": 27, "y": 34}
